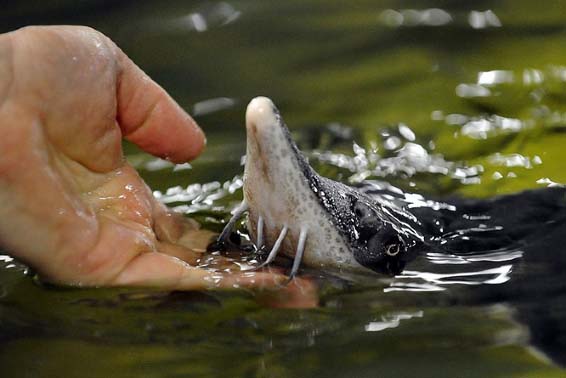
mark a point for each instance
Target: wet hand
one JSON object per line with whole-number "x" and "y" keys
{"x": 70, "y": 206}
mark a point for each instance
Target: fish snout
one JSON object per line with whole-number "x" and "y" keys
{"x": 261, "y": 116}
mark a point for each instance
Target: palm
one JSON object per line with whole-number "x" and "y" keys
{"x": 63, "y": 158}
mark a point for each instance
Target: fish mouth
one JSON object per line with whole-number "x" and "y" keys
{"x": 270, "y": 148}
{"x": 263, "y": 126}
{"x": 261, "y": 113}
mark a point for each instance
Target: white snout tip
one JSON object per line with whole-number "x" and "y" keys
{"x": 260, "y": 112}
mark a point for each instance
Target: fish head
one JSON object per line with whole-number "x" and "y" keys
{"x": 345, "y": 228}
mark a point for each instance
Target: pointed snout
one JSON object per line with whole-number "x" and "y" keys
{"x": 260, "y": 114}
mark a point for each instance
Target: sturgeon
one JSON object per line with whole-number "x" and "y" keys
{"x": 314, "y": 220}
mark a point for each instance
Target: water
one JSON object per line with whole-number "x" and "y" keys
{"x": 444, "y": 100}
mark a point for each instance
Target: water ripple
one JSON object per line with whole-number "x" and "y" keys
{"x": 197, "y": 197}
{"x": 494, "y": 256}
{"x": 391, "y": 321}
{"x": 219, "y": 14}
{"x": 438, "y": 17}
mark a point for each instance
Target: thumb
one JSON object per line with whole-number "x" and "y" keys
{"x": 151, "y": 119}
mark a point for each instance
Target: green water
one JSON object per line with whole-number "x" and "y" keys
{"x": 481, "y": 84}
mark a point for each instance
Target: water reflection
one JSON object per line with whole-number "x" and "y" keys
{"x": 490, "y": 256}
{"x": 157, "y": 165}
{"x": 514, "y": 160}
{"x": 439, "y": 281}
{"x": 472, "y": 90}
{"x": 482, "y": 20}
{"x": 549, "y": 183}
{"x": 409, "y": 158}
{"x": 8, "y": 262}
{"x": 217, "y": 14}
{"x": 207, "y": 16}
{"x": 488, "y": 78}
{"x": 212, "y": 105}
{"x": 391, "y": 321}
{"x": 438, "y": 17}
{"x": 196, "y": 197}
{"x": 483, "y": 126}
{"x": 415, "y": 17}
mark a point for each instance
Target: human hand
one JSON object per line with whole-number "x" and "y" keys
{"x": 70, "y": 206}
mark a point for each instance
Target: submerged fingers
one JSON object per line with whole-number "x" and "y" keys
{"x": 171, "y": 227}
{"x": 178, "y": 235}
{"x": 156, "y": 269}
{"x": 163, "y": 271}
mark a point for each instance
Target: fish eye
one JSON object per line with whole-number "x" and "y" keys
{"x": 362, "y": 210}
{"x": 393, "y": 249}
{"x": 367, "y": 221}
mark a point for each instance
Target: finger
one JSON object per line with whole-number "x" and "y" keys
{"x": 151, "y": 119}
{"x": 299, "y": 293}
{"x": 191, "y": 257}
{"x": 198, "y": 259}
{"x": 159, "y": 270}
{"x": 178, "y": 235}
{"x": 170, "y": 226}
{"x": 166, "y": 272}
{"x": 156, "y": 269}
